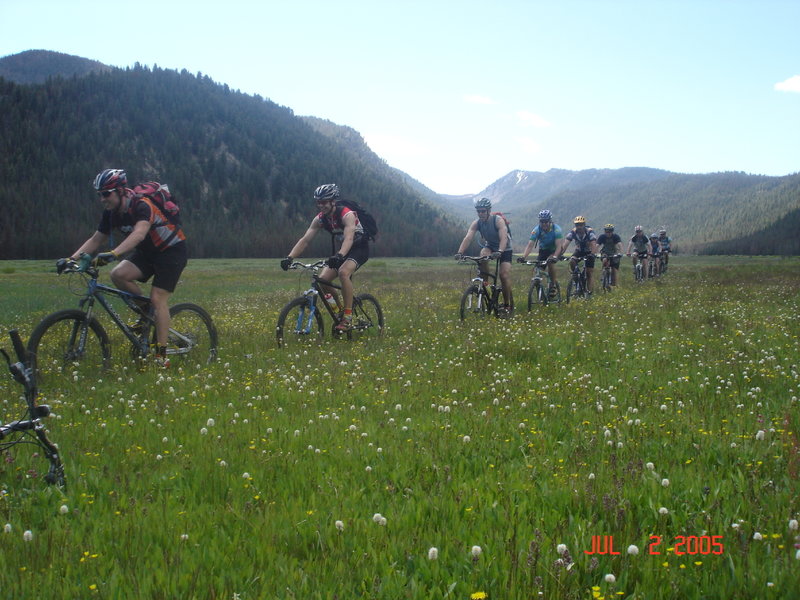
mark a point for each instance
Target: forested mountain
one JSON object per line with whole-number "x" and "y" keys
{"x": 242, "y": 167}
{"x": 705, "y": 213}
{"x": 37, "y": 66}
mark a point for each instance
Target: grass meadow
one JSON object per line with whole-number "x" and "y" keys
{"x": 441, "y": 461}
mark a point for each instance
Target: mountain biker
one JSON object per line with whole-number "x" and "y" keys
{"x": 157, "y": 248}
{"x": 547, "y": 235}
{"x": 638, "y": 242}
{"x": 610, "y": 244}
{"x": 343, "y": 224}
{"x": 654, "y": 250}
{"x": 495, "y": 242}
{"x": 666, "y": 244}
{"x": 585, "y": 246}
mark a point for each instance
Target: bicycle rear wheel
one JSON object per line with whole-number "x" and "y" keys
{"x": 67, "y": 344}
{"x": 299, "y": 323}
{"x": 367, "y": 318}
{"x": 192, "y": 334}
{"x": 474, "y": 303}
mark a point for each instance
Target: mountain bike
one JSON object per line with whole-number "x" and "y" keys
{"x": 28, "y": 430}
{"x": 73, "y": 341}
{"x": 638, "y": 268}
{"x": 301, "y": 322}
{"x": 664, "y": 260}
{"x": 542, "y": 289}
{"x": 608, "y": 277}
{"x": 653, "y": 267}
{"x": 577, "y": 285}
{"x": 483, "y": 297}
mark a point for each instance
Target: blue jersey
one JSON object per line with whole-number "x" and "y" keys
{"x": 655, "y": 248}
{"x": 547, "y": 239}
{"x": 665, "y": 242}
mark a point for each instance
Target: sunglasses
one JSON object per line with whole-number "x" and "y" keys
{"x": 481, "y": 211}
{"x": 105, "y": 193}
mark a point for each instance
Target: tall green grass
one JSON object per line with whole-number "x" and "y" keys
{"x": 666, "y": 409}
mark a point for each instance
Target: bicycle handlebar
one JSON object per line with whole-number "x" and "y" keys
{"x": 475, "y": 258}
{"x": 298, "y": 265}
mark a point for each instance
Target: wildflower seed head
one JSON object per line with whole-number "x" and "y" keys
{"x": 27, "y": 535}
{"x": 433, "y": 553}
{"x": 561, "y": 549}
{"x": 610, "y": 578}
{"x": 476, "y": 551}
{"x": 633, "y": 550}
{"x": 339, "y": 525}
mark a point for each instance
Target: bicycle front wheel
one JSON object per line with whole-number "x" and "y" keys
{"x": 573, "y": 290}
{"x": 29, "y": 455}
{"x": 299, "y": 323}
{"x": 192, "y": 334}
{"x": 67, "y": 344}
{"x": 367, "y": 317}
{"x": 474, "y": 303}
{"x": 537, "y": 294}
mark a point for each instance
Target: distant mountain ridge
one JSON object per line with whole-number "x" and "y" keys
{"x": 703, "y": 213}
{"x": 36, "y": 66}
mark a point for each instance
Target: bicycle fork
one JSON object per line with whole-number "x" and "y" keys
{"x": 305, "y": 317}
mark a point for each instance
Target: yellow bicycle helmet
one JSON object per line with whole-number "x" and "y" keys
{"x": 579, "y": 219}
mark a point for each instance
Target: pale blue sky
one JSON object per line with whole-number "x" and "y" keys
{"x": 457, "y": 94}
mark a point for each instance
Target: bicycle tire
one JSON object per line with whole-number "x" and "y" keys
{"x": 192, "y": 334}
{"x": 367, "y": 318}
{"x": 295, "y": 327}
{"x": 52, "y": 346}
{"x": 606, "y": 280}
{"x": 573, "y": 290}
{"x": 537, "y": 295}
{"x": 474, "y": 303}
{"x": 21, "y": 463}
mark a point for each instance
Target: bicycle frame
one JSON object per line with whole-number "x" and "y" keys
{"x": 140, "y": 305}
{"x": 492, "y": 300}
{"x": 305, "y": 322}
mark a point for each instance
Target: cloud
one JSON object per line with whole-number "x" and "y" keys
{"x": 532, "y": 119}
{"x": 790, "y": 85}
{"x": 476, "y": 99}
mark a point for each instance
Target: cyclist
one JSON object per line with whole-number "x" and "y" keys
{"x": 495, "y": 242}
{"x": 156, "y": 244}
{"x": 666, "y": 243}
{"x": 639, "y": 243}
{"x": 610, "y": 243}
{"x": 342, "y": 223}
{"x": 547, "y": 235}
{"x": 585, "y": 245}
{"x": 654, "y": 251}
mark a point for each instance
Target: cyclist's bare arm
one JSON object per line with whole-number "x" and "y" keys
{"x": 90, "y": 246}
{"x": 469, "y": 237}
{"x": 303, "y": 242}
{"x": 349, "y": 221}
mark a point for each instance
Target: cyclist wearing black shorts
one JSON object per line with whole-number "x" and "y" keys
{"x": 610, "y": 244}
{"x": 342, "y": 223}
{"x": 157, "y": 247}
{"x": 495, "y": 242}
{"x": 639, "y": 243}
{"x": 585, "y": 246}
